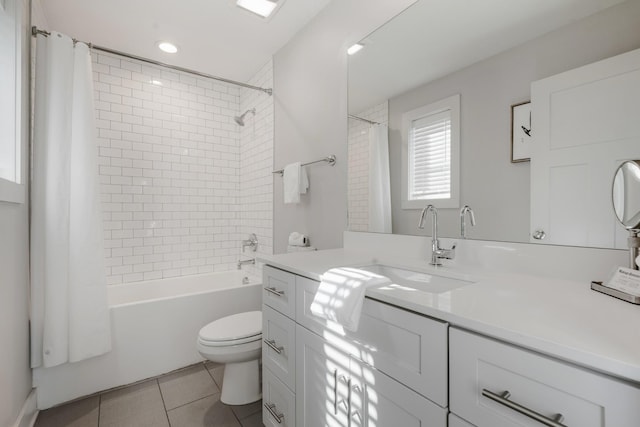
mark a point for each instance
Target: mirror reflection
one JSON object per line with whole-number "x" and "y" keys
{"x": 422, "y": 57}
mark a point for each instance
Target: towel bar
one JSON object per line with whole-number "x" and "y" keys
{"x": 331, "y": 160}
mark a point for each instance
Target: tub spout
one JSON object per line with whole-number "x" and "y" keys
{"x": 246, "y": 261}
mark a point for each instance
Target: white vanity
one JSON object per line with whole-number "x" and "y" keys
{"x": 425, "y": 356}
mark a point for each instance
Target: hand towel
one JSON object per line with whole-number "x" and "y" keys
{"x": 295, "y": 181}
{"x": 341, "y": 295}
{"x": 297, "y": 239}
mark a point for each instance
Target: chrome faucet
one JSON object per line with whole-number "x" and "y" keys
{"x": 251, "y": 242}
{"x": 463, "y": 225}
{"x": 437, "y": 253}
{"x": 242, "y": 262}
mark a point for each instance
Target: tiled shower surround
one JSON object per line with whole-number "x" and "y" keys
{"x": 358, "y": 179}
{"x": 256, "y": 165}
{"x": 171, "y": 164}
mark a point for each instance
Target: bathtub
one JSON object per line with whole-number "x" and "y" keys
{"x": 154, "y": 327}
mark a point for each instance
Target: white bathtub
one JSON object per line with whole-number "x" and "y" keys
{"x": 154, "y": 327}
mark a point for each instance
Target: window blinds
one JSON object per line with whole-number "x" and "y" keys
{"x": 430, "y": 157}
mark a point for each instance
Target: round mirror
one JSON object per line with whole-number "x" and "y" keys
{"x": 626, "y": 194}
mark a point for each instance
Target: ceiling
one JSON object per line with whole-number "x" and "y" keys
{"x": 434, "y": 38}
{"x": 213, "y": 36}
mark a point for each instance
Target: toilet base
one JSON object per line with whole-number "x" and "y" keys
{"x": 241, "y": 383}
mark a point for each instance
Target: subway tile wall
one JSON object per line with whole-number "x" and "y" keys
{"x": 358, "y": 170}
{"x": 169, "y": 155}
{"x": 256, "y": 165}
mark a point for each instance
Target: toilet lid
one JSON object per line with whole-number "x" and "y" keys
{"x": 236, "y": 327}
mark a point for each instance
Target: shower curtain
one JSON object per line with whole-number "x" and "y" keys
{"x": 69, "y": 311}
{"x": 379, "y": 186}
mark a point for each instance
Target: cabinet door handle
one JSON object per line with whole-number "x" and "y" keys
{"x": 271, "y": 407}
{"x": 503, "y": 399}
{"x": 349, "y": 403}
{"x": 335, "y": 392}
{"x": 274, "y": 291}
{"x": 274, "y": 347}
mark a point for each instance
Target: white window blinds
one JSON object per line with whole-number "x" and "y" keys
{"x": 430, "y": 157}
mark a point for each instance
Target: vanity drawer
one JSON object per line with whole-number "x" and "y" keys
{"x": 481, "y": 365}
{"x": 278, "y": 290}
{"x": 278, "y": 345}
{"x": 278, "y": 402}
{"x": 406, "y": 346}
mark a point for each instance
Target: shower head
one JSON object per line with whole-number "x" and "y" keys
{"x": 240, "y": 119}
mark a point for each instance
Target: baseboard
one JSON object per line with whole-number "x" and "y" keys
{"x": 28, "y": 413}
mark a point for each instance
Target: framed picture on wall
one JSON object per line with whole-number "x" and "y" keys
{"x": 521, "y": 132}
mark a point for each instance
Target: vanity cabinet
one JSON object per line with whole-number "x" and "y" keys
{"x": 405, "y": 369}
{"x": 278, "y": 290}
{"x": 494, "y": 384}
{"x": 392, "y": 371}
{"x": 406, "y": 346}
{"x": 455, "y": 421}
{"x": 335, "y": 388}
{"x": 278, "y": 347}
{"x": 279, "y": 403}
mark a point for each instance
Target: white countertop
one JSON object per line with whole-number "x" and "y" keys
{"x": 557, "y": 317}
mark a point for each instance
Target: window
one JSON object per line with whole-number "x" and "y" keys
{"x": 431, "y": 140}
{"x": 10, "y": 101}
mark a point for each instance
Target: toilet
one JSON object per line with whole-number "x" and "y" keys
{"x": 235, "y": 341}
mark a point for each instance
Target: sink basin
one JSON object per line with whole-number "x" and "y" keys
{"x": 416, "y": 280}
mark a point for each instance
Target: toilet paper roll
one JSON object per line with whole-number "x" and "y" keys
{"x": 297, "y": 239}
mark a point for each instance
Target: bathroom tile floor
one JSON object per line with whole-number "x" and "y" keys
{"x": 189, "y": 397}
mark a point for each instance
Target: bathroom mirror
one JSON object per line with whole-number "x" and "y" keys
{"x": 626, "y": 194}
{"x": 491, "y": 62}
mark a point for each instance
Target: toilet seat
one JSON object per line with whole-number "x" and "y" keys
{"x": 232, "y": 330}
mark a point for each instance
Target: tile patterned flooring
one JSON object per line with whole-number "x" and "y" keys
{"x": 189, "y": 397}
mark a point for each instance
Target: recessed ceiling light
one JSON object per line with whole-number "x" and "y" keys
{"x": 167, "y": 47}
{"x": 355, "y": 48}
{"x": 263, "y": 8}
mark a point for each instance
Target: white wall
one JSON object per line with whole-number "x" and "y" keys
{"x": 496, "y": 189}
{"x": 310, "y": 93}
{"x": 15, "y": 374}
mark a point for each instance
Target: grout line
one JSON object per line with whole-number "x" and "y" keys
{"x": 193, "y": 401}
{"x": 99, "y": 408}
{"x": 164, "y": 405}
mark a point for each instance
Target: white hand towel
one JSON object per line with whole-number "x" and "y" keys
{"x": 297, "y": 239}
{"x": 341, "y": 295}
{"x": 295, "y": 181}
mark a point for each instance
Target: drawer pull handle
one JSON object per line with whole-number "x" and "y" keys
{"x": 274, "y": 291}
{"x": 272, "y": 410}
{"x": 335, "y": 392}
{"x": 503, "y": 399}
{"x": 274, "y": 347}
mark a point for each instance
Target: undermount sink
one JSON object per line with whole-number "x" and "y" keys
{"x": 417, "y": 280}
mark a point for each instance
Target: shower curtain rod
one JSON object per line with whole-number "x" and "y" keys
{"x": 371, "y": 122}
{"x": 35, "y": 31}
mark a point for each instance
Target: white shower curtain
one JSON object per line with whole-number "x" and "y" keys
{"x": 69, "y": 312}
{"x": 379, "y": 186}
